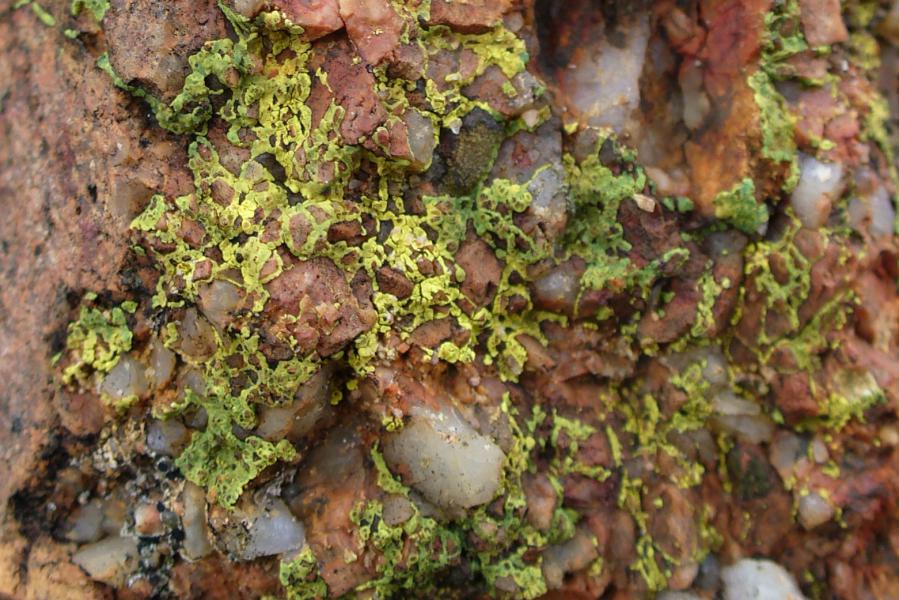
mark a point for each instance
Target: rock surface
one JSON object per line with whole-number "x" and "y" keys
{"x": 528, "y": 300}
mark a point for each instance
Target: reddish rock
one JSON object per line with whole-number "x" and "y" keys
{"x": 482, "y": 270}
{"x": 79, "y": 160}
{"x": 541, "y": 497}
{"x": 373, "y": 26}
{"x": 350, "y": 85}
{"x": 822, "y": 22}
{"x": 672, "y": 523}
{"x": 318, "y": 18}
{"x": 328, "y": 314}
{"x": 149, "y": 42}
{"x": 433, "y": 333}
{"x": 468, "y": 16}
{"x": 394, "y": 282}
{"x": 793, "y": 396}
{"x": 677, "y": 316}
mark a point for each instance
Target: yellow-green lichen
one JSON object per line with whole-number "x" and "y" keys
{"x": 739, "y": 207}
{"x": 97, "y": 338}
{"x": 300, "y": 577}
{"x": 96, "y": 8}
{"x": 853, "y": 391}
{"x": 223, "y": 463}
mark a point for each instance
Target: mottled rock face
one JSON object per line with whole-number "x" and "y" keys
{"x": 169, "y": 33}
{"x": 452, "y": 298}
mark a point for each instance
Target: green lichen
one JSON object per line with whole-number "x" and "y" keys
{"x": 739, "y": 207}
{"x": 432, "y": 547}
{"x": 777, "y": 125}
{"x": 876, "y": 129}
{"x": 43, "y": 16}
{"x": 39, "y": 11}
{"x": 781, "y": 297}
{"x": 495, "y": 545}
{"x": 254, "y": 90}
{"x": 96, "y": 8}
{"x": 223, "y": 463}
{"x": 782, "y": 40}
{"x": 596, "y": 235}
{"x": 853, "y": 392}
{"x": 300, "y": 577}
{"x": 97, "y": 339}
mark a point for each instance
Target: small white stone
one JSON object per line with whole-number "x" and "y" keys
{"x": 218, "y": 301}
{"x": 397, "y": 510}
{"x": 645, "y": 203}
{"x": 751, "y": 579}
{"x": 421, "y": 137}
{"x": 814, "y": 510}
{"x": 531, "y": 117}
{"x": 110, "y": 560}
{"x": 87, "y": 524}
{"x": 820, "y": 184}
{"x": 196, "y": 532}
{"x": 166, "y": 437}
{"x": 819, "y": 451}
{"x": 162, "y": 364}
{"x": 450, "y": 463}
{"x": 263, "y": 530}
{"x": 196, "y": 337}
{"x": 124, "y": 380}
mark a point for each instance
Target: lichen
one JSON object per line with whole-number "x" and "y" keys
{"x": 782, "y": 39}
{"x": 223, "y": 463}
{"x": 271, "y": 194}
{"x": 595, "y": 233}
{"x": 852, "y": 393}
{"x": 96, "y": 339}
{"x": 781, "y": 298}
{"x": 300, "y": 577}
{"x": 96, "y": 8}
{"x": 739, "y": 207}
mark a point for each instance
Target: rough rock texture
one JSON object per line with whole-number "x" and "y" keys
{"x": 451, "y": 299}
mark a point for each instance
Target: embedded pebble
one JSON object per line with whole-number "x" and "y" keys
{"x": 752, "y": 579}
{"x": 572, "y": 555}
{"x": 741, "y": 417}
{"x": 267, "y": 530}
{"x": 874, "y": 212}
{"x": 820, "y": 184}
{"x": 196, "y": 532}
{"x": 450, "y": 463}
{"x": 86, "y": 523}
{"x": 421, "y": 138}
{"x": 218, "y": 300}
{"x": 605, "y": 85}
{"x": 196, "y": 335}
{"x": 167, "y": 437}
{"x": 295, "y": 420}
{"x": 147, "y": 520}
{"x": 547, "y": 189}
{"x": 162, "y": 364}
{"x": 814, "y": 510}
{"x": 397, "y": 509}
{"x": 110, "y": 560}
{"x": 125, "y": 380}
{"x": 785, "y": 451}
{"x": 558, "y": 289}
